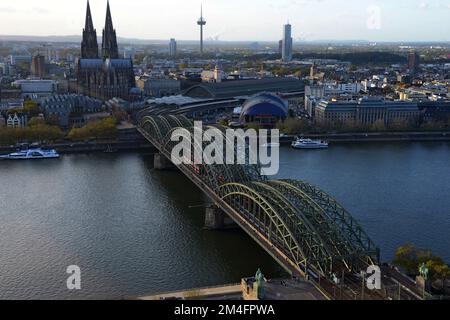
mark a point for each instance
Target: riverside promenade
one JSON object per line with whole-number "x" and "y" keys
{"x": 375, "y": 137}
{"x": 128, "y": 139}
{"x": 226, "y": 291}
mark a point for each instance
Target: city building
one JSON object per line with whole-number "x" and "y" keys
{"x": 286, "y": 54}
{"x": 172, "y": 48}
{"x": 70, "y": 110}
{"x": 3, "y": 68}
{"x": 159, "y": 87}
{"x": 10, "y": 94}
{"x": 246, "y": 88}
{"x": 10, "y": 103}
{"x": 211, "y": 102}
{"x": 312, "y": 71}
{"x": 366, "y": 111}
{"x": 216, "y": 75}
{"x": 17, "y": 60}
{"x": 5, "y": 106}
{"x": 424, "y": 92}
{"x": 38, "y": 66}
{"x": 435, "y": 111}
{"x": 201, "y": 22}
{"x": 413, "y": 61}
{"x": 264, "y": 109}
{"x": 106, "y": 77}
{"x": 17, "y": 121}
{"x": 314, "y": 94}
{"x": 32, "y": 89}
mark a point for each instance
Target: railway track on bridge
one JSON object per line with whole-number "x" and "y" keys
{"x": 306, "y": 231}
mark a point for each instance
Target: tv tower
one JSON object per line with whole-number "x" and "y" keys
{"x": 201, "y": 22}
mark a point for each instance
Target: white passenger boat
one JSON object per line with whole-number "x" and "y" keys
{"x": 31, "y": 154}
{"x": 309, "y": 144}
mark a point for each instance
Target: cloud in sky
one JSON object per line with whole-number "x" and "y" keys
{"x": 236, "y": 19}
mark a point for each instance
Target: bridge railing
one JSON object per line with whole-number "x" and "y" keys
{"x": 271, "y": 216}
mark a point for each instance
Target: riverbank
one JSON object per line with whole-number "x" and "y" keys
{"x": 375, "y": 137}
{"x": 94, "y": 147}
{"x": 127, "y": 140}
{"x": 131, "y": 140}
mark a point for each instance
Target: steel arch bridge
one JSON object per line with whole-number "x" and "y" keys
{"x": 302, "y": 227}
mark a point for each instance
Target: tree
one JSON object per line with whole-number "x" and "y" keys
{"x": 410, "y": 259}
{"x": 31, "y": 107}
{"x": 35, "y": 121}
{"x": 224, "y": 123}
{"x": 38, "y": 132}
{"x": 405, "y": 257}
{"x": 104, "y": 129}
{"x": 292, "y": 126}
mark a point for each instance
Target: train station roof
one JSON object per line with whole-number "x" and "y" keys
{"x": 242, "y": 88}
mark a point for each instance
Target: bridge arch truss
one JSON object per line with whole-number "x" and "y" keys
{"x": 308, "y": 226}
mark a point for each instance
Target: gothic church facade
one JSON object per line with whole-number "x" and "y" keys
{"x": 103, "y": 76}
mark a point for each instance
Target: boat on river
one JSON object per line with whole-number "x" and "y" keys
{"x": 31, "y": 154}
{"x": 309, "y": 144}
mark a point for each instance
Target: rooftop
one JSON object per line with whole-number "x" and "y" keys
{"x": 238, "y": 88}
{"x": 178, "y": 100}
{"x": 109, "y": 63}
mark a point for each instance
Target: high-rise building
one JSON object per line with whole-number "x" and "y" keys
{"x": 201, "y": 22}
{"x": 38, "y": 66}
{"x": 49, "y": 55}
{"x": 286, "y": 54}
{"x": 172, "y": 48}
{"x": 413, "y": 61}
{"x": 312, "y": 71}
{"x": 107, "y": 76}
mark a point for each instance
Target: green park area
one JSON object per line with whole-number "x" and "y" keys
{"x": 38, "y": 130}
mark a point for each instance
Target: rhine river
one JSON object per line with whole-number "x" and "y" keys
{"x": 136, "y": 231}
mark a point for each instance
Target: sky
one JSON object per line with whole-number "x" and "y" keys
{"x": 236, "y": 20}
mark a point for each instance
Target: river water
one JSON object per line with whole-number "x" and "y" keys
{"x": 135, "y": 231}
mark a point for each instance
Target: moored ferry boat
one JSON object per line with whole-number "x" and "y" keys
{"x": 309, "y": 144}
{"x": 31, "y": 154}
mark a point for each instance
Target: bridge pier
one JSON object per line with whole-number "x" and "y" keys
{"x": 216, "y": 219}
{"x": 160, "y": 162}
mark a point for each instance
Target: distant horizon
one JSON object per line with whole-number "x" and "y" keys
{"x": 260, "y": 20}
{"x": 71, "y": 39}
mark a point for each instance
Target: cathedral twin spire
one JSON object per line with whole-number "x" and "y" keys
{"x": 89, "y": 24}
{"x": 109, "y": 45}
{"x": 89, "y": 46}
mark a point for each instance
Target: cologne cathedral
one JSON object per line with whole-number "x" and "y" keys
{"x": 103, "y": 76}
